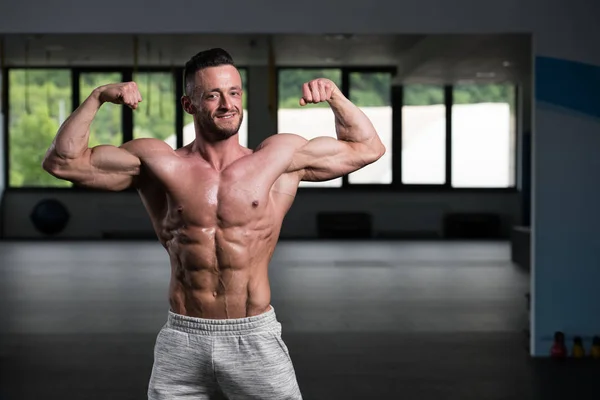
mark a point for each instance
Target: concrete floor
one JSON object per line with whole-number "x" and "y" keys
{"x": 362, "y": 320}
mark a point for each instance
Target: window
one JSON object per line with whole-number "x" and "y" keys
{"x": 371, "y": 91}
{"x": 483, "y": 136}
{"x": 423, "y": 135}
{"x": 155, "y": 116}
{"x": 189, "y": 134}
{"x": 106, "y": 127}
{"x": 39, "y": 100}
{"x": 310, "y": 121}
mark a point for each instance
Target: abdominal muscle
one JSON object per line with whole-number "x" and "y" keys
{"x": 219, "y": 273}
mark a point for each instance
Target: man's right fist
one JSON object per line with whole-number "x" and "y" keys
{"x": 125, "y": 93}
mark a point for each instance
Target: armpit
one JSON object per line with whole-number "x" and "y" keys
{"x": 287, "y": 183}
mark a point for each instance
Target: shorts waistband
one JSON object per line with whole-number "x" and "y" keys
{"x": 266, "y": 321}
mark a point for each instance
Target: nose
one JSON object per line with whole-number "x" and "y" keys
{"x": 225, "y": 102}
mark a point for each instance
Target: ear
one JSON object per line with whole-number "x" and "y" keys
{"x": 187, "y": 105}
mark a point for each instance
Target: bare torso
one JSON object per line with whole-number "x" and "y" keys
{"x": 219, "y": 228}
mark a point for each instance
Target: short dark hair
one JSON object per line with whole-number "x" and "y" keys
{"x": 204, "y": 59}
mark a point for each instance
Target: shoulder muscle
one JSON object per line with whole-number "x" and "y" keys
{"x": 147, "y": 147}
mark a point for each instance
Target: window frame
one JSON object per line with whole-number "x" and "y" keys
{"x": 396, "y": 99}
{"x": 517, "y": 149}
{"x": 397, "y": 94}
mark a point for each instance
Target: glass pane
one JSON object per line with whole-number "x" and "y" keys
{"x": 310, "y": 121}
{"x": 423, "y": 135}
{"x": 371, "y": 92}
{"x": 155, "y": 117}
{"x": 189, "y": 133}
{"x": 39, "y": 101}
{"x": 483, "y": 136}
{"x": 106, "y": 127}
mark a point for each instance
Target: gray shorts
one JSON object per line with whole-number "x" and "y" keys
{"x": 244, "y": 358}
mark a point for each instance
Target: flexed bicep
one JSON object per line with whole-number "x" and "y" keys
{"x": 108, "y": 167}
{"x": 102, "y": 167}
{"x": 324, "y": 158}
{"x": 320, "y": 159}
{"x": 356, "y": 145}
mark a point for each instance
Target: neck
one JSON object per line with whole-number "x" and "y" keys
{"x": 220, "y": 153}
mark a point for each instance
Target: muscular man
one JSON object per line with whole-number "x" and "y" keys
{"x": 217, "y": 208}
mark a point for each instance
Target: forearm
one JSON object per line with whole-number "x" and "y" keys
{"x": 351, "y": 123}
{"x": 72, "y": 138}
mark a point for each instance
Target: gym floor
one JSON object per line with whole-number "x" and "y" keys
{"x": 362, "y": 320}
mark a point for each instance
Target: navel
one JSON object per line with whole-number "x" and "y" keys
{"x": 255, "y": 203}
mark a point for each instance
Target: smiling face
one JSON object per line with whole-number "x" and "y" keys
{"x": 214, "y": 98}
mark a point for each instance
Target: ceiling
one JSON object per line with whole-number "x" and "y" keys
{"x": 418, "y": 58}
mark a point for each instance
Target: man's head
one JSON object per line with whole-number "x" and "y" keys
{"x": 213, "y": 94}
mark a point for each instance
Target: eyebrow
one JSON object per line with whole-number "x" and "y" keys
{"x": 218, "y": 89}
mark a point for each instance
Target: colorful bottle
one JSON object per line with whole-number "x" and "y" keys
{"x": 595, "y": 350}
{"x": 558, "y": 349}
{"x": 578, "y": 350}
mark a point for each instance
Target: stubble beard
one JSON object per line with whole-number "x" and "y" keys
{"x": 220, "y": 131}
